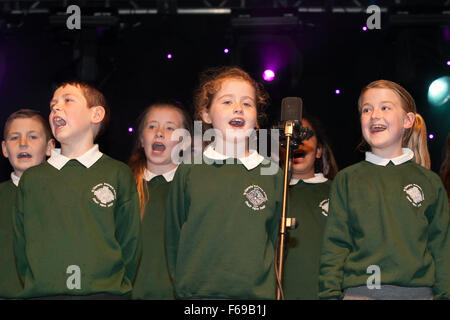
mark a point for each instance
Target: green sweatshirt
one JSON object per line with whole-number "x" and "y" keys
{"x": 221, "y": 231}
{"x": 10, "y": 285}
{"x": 394, "y": 217}
{"x": 77, "y": 230}
{"x": 308, "y": 203}
{"x": 153, "y": 279}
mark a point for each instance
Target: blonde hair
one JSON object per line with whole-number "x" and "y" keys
{"x": 414, "y": 138}
{"x": 138, "y": 160}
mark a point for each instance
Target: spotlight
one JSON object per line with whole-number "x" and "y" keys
{"x": 448, "y": 62}
{"x": 431, "y": 136}
{"x": 226, "y": 50}
{"x": 337, "y": 91}
{"x": 169, "y": 56}
{"x": 268, "y": 75}
{"x": 364, "y": 28}
{"x": 130, "y": 129}
{"x": 439, "y": 91}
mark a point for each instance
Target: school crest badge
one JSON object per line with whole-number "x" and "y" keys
{"x": 255, "y": 197}
{"x": 324, "y": 204}
{"x": 104, "y": 195}
{"x": 414, "y": 194}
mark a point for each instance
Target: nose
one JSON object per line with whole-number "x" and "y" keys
{"x": 237, "y": 108}
{"x": 23, "y": 142}
{"x": 159, "y": 133}
{"x": 376, "y": 114}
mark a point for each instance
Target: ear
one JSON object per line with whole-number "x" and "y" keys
{"x": 50, "y": 147}
{"x": 409, "y": 120}
{"x": 4, "y": 150}
{"x": 206, "y": 117}
{"x": 98, "y": 114}
{"x": 319, "y": 152}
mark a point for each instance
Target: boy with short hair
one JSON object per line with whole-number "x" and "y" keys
{"x": 76, "y": 220}
{"x": 27, "y": 140}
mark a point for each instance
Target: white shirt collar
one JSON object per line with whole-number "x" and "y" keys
{"x": 407, "y": 155}
{"x": 250, "y": 162}
{"x": 90, "y": 157}
{"x": 318, "y": 178}
{"x": 148, "y": 175}
{"x": 15, "y": 179}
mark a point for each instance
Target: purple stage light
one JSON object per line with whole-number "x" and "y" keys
{"x": 169, "y": 56}
{"x": 431, "y": 136}
{"x": 337, "y": 91}
{"x": 364, "y": 28}
{"x": 130, "y": 129}
{"x": 448, "y": 62}
{"x": 226, "y": 50}
{"x": 268, "y": 75}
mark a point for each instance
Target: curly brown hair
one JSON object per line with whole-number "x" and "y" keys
{"x": 210, "y": 83}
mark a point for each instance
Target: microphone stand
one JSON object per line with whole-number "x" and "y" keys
{"x": 295, "y": 134}
{"x": 288, "y": 132}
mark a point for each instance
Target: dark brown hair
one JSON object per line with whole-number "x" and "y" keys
{"x": 326, "y": 164}
{"x": 25, "y": 114}
{"x": 445, "y": 168}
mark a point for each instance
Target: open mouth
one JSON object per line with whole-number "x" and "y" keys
{"x": 375, "y": 128}
{"x": 237, "y": 122}
{"x": 58, "y": 123}
{"x": 158, "y": 147}
{"x": 24, "y": 155}
{"x": 298, "y": 156}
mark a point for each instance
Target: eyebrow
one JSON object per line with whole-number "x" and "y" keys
{"x": 232, "y": 96}
{"x": 64, "y": 96}
{"x": 16, "y": 132}
{"x": 151, "y": 121}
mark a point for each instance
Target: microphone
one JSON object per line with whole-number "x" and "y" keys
{"x": 291, "y": 109}
{"x": 291, "y": 122}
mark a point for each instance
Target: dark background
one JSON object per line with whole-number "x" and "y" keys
{"x": 125, "y": 56}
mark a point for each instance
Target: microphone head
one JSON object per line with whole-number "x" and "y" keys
{"x": 291, "y": 109}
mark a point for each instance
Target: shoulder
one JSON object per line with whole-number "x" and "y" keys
{"x": 355, "y": 169}
{"x": 5, "y": 185}
{"x": 36, "y": 172}
{"x": 426, "y": 174}
{"x": 112, "y": 165}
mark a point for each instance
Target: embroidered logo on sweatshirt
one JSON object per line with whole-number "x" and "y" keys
{"x": 414, "y": 194}
{"x": 104, "y": 195}
{"x": 256, "y": 197}
{"x": 324, "y": 204}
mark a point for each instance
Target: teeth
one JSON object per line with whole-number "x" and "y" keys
{"x": 59, "y": 122}
{"x": 237, "y": 122}
{"x": 23, "y": 155}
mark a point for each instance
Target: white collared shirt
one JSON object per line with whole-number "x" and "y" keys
{"x": 318, "y": 178}
{"x": 15, "y": 179}
{"x": 407, "y": 155}
{"x": 148, "y": 175}
{"x": 250, "y": 162}
{"x": 90, "y": 157}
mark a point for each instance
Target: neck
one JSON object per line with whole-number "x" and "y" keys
{"x": 388, "y": 153}
{"x": 233, "y": 149}
{"x": 73, "y": 151}
{"x": 160, "y": 169}
{"x": 303, "y": 175}
{"x": 18, "y": 173}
